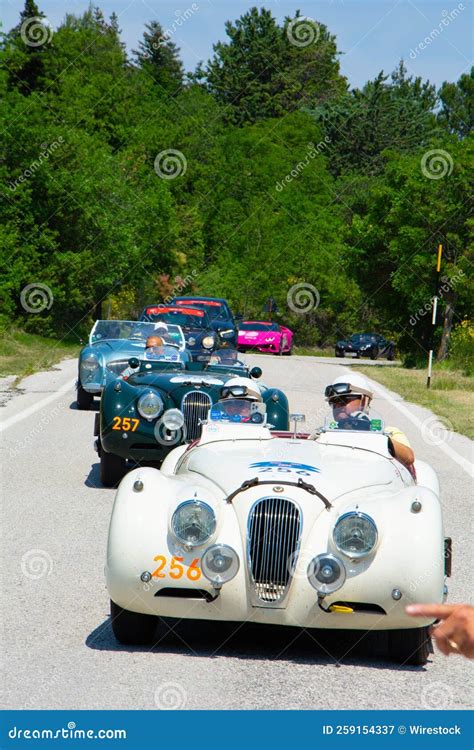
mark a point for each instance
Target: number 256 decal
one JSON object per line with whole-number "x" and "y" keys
{"x": 176, "y": 570}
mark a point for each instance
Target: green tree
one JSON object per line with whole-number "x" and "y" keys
{"x": 266, "y": 70}
{"x": 26, "y": 46}
{"x": 395, "y": 112}
{"x": 457, "y": 100}
{"x": 158, "y": 56}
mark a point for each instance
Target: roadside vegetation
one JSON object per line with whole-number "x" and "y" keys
{"x": 260, "y": 174}
{"x": 450, "y": 397}
{"x": 22, "y": 353}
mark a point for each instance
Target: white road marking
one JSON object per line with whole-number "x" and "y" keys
{"x": 36, "y": 407}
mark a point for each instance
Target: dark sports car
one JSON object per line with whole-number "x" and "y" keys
{"x": 366, "y": 345}
{"x": 201, "y": 337}
{"x": 163, "y": 405}
{"x": 218, "y": 313}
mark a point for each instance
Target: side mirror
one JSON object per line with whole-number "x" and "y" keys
{"x": 134, "y": 362}
{"x": 255, "y": 373}
{"x": 295, "y": 418}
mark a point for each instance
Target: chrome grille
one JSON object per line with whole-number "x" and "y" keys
{"x": 274, "y": 533}
{"x": 195, "y": 405}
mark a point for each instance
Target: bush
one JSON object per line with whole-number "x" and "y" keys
{"x": 461, "y": 348}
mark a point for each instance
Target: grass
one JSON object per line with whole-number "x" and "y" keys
{"x": 22, "y": 354}
{"x": 313, "y": 351}
{"x": 451, "y": 396}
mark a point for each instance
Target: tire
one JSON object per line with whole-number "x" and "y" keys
{"x": 280, "y": 349}
{"x": 339, "y": 354}
{"x": 112, "y": 468}
{"x": 132, "y": 628}
{"x": 84, "y": 399}
{"x": 391, "y": 355}
{"x": 411, "y": 646}
{"x": 374, "y": 353}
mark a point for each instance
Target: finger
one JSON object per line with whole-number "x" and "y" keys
{"x": 440, "y": 611}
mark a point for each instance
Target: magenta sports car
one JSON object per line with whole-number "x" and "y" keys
{"x": 263, "y": 336}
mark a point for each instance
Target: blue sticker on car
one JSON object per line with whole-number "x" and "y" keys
{"x": 284, "y": 467}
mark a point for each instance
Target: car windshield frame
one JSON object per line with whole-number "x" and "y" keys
{"x": 363, "y": 338}
{"x": 103, "y": 330}
{"x": 190, "y": 323}
{"x": 213, "y": 309}
{"x": 259, "y": 327}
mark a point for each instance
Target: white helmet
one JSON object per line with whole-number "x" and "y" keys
{"x": 252, "y": 392}
{"x": 161, "y": 325}
{"x": 359, "y": 386}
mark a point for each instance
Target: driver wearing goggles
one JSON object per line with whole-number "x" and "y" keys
{"x": 349, "y": 397}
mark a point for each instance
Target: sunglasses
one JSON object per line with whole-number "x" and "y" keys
{"x": 342, "y": 400}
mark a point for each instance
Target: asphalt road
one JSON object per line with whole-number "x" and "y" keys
{"x": 58, "y": 648}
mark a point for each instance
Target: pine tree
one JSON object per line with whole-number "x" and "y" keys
{"x": 158, "y": 56}
{"x": 30, "y": 38}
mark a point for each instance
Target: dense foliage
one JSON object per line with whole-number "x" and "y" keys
{"x": 125, "y": 181}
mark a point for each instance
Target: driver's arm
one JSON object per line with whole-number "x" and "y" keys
{"x": 402, "y": 449}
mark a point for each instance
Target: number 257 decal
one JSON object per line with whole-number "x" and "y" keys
{"x": 176, "y": 570}
{"x": 125, "y": 423}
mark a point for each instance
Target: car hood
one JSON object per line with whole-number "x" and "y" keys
{"x": 333, "y": 469}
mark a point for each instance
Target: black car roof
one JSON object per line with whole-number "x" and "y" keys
{"x": 204, "y": 299}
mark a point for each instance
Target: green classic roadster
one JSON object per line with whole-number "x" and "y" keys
{"x": 162, "y": 404}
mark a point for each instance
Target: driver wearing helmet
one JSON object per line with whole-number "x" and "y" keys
{"x": 237, "y": 395}
{"x": 354, "y": 402}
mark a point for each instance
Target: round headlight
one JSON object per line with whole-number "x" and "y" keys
{"x": 193, "y": 522}
{"x": 326, "y": 573}
{"x": 191, "y": 341}
{"x": 208, "y": 342}
{"x": 173, "y": 419}
{"x": 150, "y": 405}
{"x": 90, "y": 362}
{"x": 355, "y": 534}
{"x": 220, "y": 564}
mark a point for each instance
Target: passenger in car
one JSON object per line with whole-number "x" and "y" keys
{"x": 350, "y": 396}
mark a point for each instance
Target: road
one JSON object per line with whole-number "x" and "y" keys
{"x": 58, "y": 647}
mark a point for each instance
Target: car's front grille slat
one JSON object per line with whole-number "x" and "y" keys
{"x": 195, "y": 406}
{"x": 274, "y": 532}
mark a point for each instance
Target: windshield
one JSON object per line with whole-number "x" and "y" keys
{"x": 226, "y": 357}
{"x": 212, "y": 309}
{"x": 356, "y": 422}
{"x": 104, "y": 330}
{"x": 238, "y": 410}
{"x": 186, "y": 320}
{"x": 358, "y": 338}
{"x": 258, "y": 327}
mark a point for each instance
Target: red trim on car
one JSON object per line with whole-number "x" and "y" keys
{"x": 187, "y": 311}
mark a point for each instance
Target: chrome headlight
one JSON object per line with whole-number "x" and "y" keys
{"x": 90, "y": 362}
{"x": 191, "y": 341}
{"x": 355, "y": 534}
{"x": 220, "y": 563}
{"x": 193, "y": 522}
{"x": 208, "y": 342}
{"x": 173, "y": 419}
{"x": 150, "y": 405}
{"x": 326, "y": 573}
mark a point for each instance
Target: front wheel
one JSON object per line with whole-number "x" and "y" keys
{"x": 132, "y": 628}
{"x": 412, "y": 646}
{"x": 374, "y": 353}
{"x": 84, "y": 399}
{"x": 391, "y": 355}
{"x": 339, "y": 354}
{"x": 112, "y": 468}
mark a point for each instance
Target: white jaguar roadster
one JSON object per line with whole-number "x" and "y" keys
{"x": 325, "y": 531}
